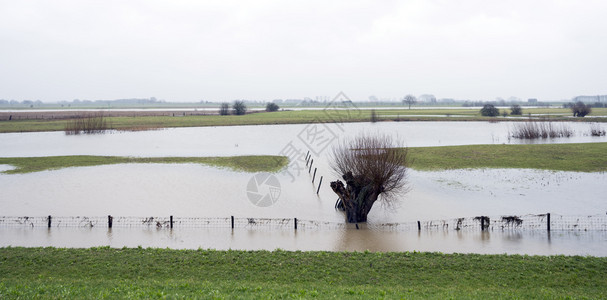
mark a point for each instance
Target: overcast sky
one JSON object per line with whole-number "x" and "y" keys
{"x": 264, "y": 50}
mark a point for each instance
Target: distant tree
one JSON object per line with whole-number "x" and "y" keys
{"x": 224, "y": 109}
{"x": 409, "y": 99}
{"x": 489, "y": 110}
{"x": 580, "y": 109}
{"x": 516, "y": 110}
{"x": 239, "y": 108}
{"x": 271, "y": 106}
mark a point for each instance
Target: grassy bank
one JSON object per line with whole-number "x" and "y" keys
{"x": 258, "y": 163}
{"x": 286, "y": 117}
{"x": 161, "y": 273}
{"x": 587, "y": 157}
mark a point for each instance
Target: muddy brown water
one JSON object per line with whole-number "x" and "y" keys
{"x": 199, "y": 191}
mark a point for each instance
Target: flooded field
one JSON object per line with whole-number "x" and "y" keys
{"x": 265, "y": 139}
{"x": 496, "y": 242}
{"x": 190, "y": 190}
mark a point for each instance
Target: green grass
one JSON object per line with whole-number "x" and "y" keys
{"x": 258, "y": 163}
{"x": 587, "y": 157}
{"x": 28, "y": 273}
{"x": 288, "y": 117}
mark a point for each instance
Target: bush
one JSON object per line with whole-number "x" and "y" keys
{"x": 596, "y": 130}
{"x": 224, "y": 109}
{"x": 580, "y": 109}
{"x": 272, "y": 106}
{"x": 516, "y": 110}
{"x": 239, "y": 108}
{"x": 536, "y": 130}
{"x": 489, "y": 110}
{"x": 89, "y": 124}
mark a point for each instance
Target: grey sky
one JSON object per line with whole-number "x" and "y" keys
{"x": 225, "y": 50}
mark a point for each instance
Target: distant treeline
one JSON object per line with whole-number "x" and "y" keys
{"x": 78, "y": 102}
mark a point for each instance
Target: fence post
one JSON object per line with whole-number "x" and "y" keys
{"x": 313, "y": 177}
{"x": 110, "y": 220}
{"x": 232, "y": 222}
{"x": 295, "y": 223}
{"x": 548, "y": 223}
{"x": 171, "y": 221}
{"x": 311, "y": 162}
{"x": 49, "y": 221}
{"x": 319, "y": 183}
{"x": 419, "y": 226}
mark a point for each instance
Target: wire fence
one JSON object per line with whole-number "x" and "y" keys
{"x": 547, "y": 222}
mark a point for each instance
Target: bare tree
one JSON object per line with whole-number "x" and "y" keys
{"x": 580, "y": 109}
{"x": 409, "y": 99}
{"x": 239, "y": 108}
{"x": 371, "y": 166}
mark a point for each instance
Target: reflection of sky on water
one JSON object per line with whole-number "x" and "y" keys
{"x": 491, "y": 242}
{"x": 262, "y": 139}
{"x": 200, "y": 191}
{"x": 190, "y": 190}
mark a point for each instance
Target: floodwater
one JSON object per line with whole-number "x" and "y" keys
{"x": 487, "y": 242}
{"x": 266, "y": 139}
{"x": 190, "y": 190}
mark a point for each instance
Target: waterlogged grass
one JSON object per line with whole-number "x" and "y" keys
{"x": 28, "y": 273}
{"x": 259, "y": 163}
{"x": 293, "y": 117}
{"x": 587, "y": 157}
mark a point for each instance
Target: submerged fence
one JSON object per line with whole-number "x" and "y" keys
{"x": 544, "y": 222}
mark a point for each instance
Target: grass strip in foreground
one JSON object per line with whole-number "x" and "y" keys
{"x": 162, "y": 273}
{"x": 259, "y": 163}
{"x": 586, "y": 157}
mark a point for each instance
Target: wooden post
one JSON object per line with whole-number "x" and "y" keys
{"x": 318, "y": 189}
{"x": 307, "y": 154}
{"x": 548, "y": 223}
{"x": 49, "y": 221}
{"x": 232, "y": 222}
{"x": 295, "y": 223}
{"x": 419, "y": 226}
{"x": 311, "y": 163}
{"x": 171, "y": 221}
{"x": 308, "y": 160}
{"x": 110, "y": 220}
{"x": 314, "y": 177}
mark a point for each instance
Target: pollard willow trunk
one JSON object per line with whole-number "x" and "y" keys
{"x": 357, "y": 197}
